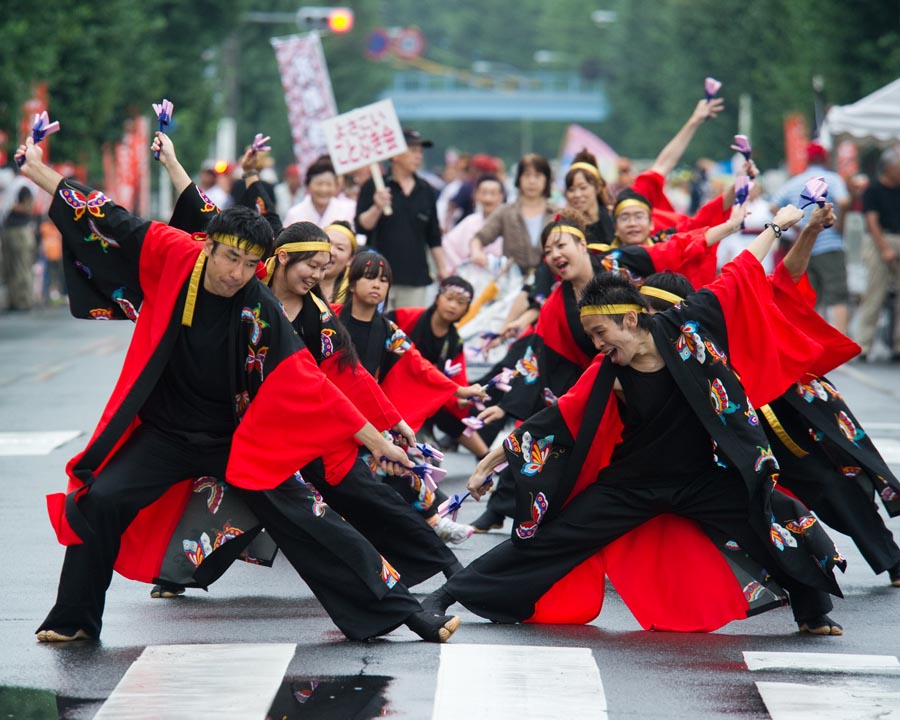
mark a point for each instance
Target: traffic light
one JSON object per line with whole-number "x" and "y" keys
{"x": 325, "y": 19}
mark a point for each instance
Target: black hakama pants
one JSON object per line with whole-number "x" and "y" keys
{"x": 845, "y": 504}
{"x": 342, "y": 569}
{"x": 504, "y": 584}
{"x": 386, "y": 520}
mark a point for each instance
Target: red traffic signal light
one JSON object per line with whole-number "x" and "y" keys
{"x": 340, "y": 20}
{"x": 337, "y": 20}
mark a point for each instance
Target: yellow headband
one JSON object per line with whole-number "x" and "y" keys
{"x": 619, "y": 309}
{"x": 587, "y": 167}
{"x": 574, "y": 231}
{"x": 295, "y": 247}
{"x": 351, "y": 236}
{"x": 661, "y": 294}
{"x": 236, "y": 242}
{"x": 630, "y": 202}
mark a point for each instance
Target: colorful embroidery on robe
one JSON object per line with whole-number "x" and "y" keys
{"x": 888, "y": 494}
{"x": 610, "y": 263}
{"x": 765, "y": 456}
{"x": 850, "y": 471}
{"x": 752, "y": 417}
{"x": 689, "y": 343}
{"x": 241, "y": 403}
{"x": 256, "y": 359}
{"x": 85, "y": 269}
{"x": 538, "y": 509}
{"x": 252, "y": 316}
{"x": 216, "y": 491}
{"x": 716, "y": 355}
{"x": 197, "y": 552}
{"x": 97, "y": 236}
{"x": 812, "y": 390}
{"x": 398, "y": 342}
{"x": 781, "y": 537}
{"x": 732, "y": 545}
{"x": 101, "y": 313}
{"x": 718, "y": 396}
{"x": 208, "y": 205}
{"x": 753, "y": 591}
{"x": 848, "y": 428}
{"x": 527, "y": 367}
{"x": 76, "y": 200}
{"x": 327, "y": 342}
{"x": 388, "y": 574}
{"x": 801, "y": 525}
{"x": 535, "y": 453}
{"x": 127, "y": 306}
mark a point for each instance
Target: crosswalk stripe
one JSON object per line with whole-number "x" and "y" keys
{"x": 508, "y": 682}
{"x": 793, "y": 701}
{"x": 34, "y": 443}
{"x": 821, "y": 662}
{"x": 184, "y": 682}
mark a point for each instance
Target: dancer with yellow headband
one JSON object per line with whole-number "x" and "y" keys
{"x": 586, "y": 191}
{"x": 302, "y": 253}
{"x": 663, "y": 425}
{"x": 343, "y": 247}
{"x": 216, "y": 385}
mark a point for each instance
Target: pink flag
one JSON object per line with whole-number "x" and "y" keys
{"x": 307, "y": 93}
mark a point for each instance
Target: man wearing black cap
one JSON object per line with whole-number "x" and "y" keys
{"x": 412, "y": 225}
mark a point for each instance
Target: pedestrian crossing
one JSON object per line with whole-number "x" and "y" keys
{"x": 508, "y": 682}
{"x": 839, "y": 687}
{"x": 495, "y": 682}
{"x": 23, "y": 443}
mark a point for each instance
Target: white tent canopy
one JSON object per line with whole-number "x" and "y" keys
{"x": 875, "y": 118}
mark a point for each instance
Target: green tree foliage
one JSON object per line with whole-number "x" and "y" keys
{"x": 103, "y": 61}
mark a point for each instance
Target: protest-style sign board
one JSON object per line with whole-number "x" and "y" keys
{"x": 365, "y": 136}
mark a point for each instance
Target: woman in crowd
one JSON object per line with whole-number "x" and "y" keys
{"x": 322, "y": 205}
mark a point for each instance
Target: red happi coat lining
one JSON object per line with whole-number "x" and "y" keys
{"x": 553, "y": 328}
{"x": 687, "y": 253}
{"x": 651, "y": 185}
{"x": 415, "y": 387}
{"x": 406, "y": 319}
{"x": 362, "y": 390}
{"x": 797, "y": 302}
{"x": 646, "y": 565}
{"x": 297, "y": 415}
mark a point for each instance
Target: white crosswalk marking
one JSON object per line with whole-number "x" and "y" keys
{"x": 793, "y": 701}
{"x": 34, "y": 443}
{"x": 822, "y": 662}
{"x": 192, "y": 681}
{"x": 858, "y": 699}
{"x": 508, "y": 682}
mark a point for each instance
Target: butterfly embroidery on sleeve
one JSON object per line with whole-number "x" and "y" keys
{"x": 397, "y": 343}
{"x": 127, "y": 306}
{"x": 252, "y": 316}
{"x": 76, "y": 200}
{"x": 215, "y": 489}
{"x": 256, "y": 359}
{"x": 689, "y": 343}
{"x": 527, "y": 367}
{"x": 538, "y": 509}
{"x": 535, "y": 453}
{"x": 718, "y": 396}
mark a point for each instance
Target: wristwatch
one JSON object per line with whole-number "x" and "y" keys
{"x": 775, "y": 229}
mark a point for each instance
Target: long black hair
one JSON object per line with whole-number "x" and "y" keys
{"x": 309, "y": 315}
{"x": 369, "y": 265}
